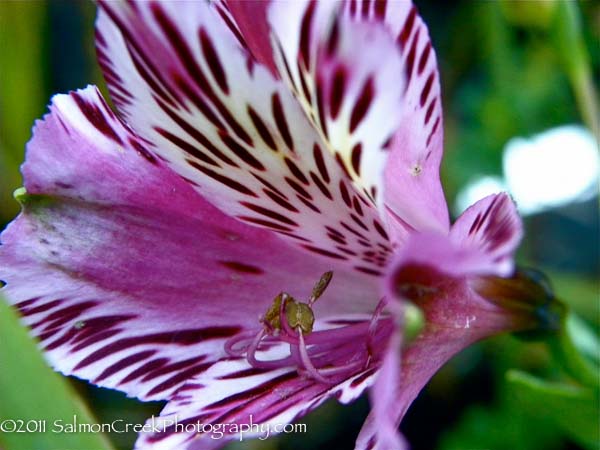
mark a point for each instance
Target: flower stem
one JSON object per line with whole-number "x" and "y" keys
{"x": 571, "y": 48}
{"x": 563, "y": 347}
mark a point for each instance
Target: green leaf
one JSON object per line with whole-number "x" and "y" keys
{"x": 574, "y": 409}
{"x": 32, "y": 395}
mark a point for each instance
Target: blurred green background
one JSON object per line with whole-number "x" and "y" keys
{"x": 508, "y": 68}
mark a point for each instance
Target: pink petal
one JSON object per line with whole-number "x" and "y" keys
{"x": 348, "y": 76}
{"x": 125, "y": 274}
{"x": 414, "y": 194}
{"x": 493, "y": 228}
{"x": 235, "y": 133}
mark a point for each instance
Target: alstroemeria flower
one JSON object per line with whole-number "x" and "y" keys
{"x": 171, "y": 252}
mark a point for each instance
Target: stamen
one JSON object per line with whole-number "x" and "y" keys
{"x": 373, "y": 327}
{"x": 270, "y": 364}
{"x": 307, "y": 363}
{"x": 290, "y": 321}
{"x": 245, "y": 338}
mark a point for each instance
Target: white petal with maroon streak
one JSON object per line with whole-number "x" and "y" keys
{"x": 236, "y": 134}
{"x": 347, "y": 75}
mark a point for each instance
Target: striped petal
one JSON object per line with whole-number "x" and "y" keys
{"x": 230, "y": 393}
{"x": 401, "y": 66}
{"x": 414, "y": 194}
{"x": 492, "y": 227}
{"x": 125, "y": 274}
{"x": 187, "y": 85}
{"x": 347, "y": 75}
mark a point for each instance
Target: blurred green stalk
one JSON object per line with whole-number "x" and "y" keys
{"x": 569, "y": 42}
{"x": 32, "y": 396}
{"x": 22, "y": 89}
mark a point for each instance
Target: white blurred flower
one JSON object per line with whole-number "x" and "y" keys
{"x": 553, "y": 168}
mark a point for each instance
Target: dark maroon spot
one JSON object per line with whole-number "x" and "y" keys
{"x": 345, "y": 194}
{"x": 185, "y": 337}
{"x": 436, "y": 124}
{"x": 320, "y": 106}
{"x": 410, "y": 59}
{"x": 269, "y": 186}
{"x": 352, "y": 230}
{"x": 334, "y": 36}
{"x": 280, "y": 200}
{"x": 368, "y": 271}
{"x": 95, "y": 116}
{"x": 333, "y": 231}
{"x": 62, "y": 316}
{"x": 338, "y": 86}
{"x": 296, "y": 171}
{"x": 265, "y": 223}
{"x": 424, "y": 57}
{"x": 242, "y": 267}
{"x": 407, "y": 27}
{"x": 345, "y": 250}
{"x": 123, "y": 364}
{"x": 295, "y": 236}
{"x": 198, "y": 101}
{"x": 429, "y": 110}
{"x": 352, "y": 7}
{"x": 359, "y": 222}
{"x": 241, "y": 151}
{"x": 303, "y": 84}
{"x": 243, "y": 374}
{"x": 318, "y": 155}
{"x": 232, "y": 27}
{"x": 197, "y": 135}
{"x": 286, "y": 65}
{"x": 95, "y": 325}
{"x": 324, "y": 252}
{"x": 179, "y": 378}
{"x": 187, "y": 147}
{"x": 340, "y": 162}
{"x": 38, "y": 309}
{"x": 143, "y": 151}
{"x": 281, "y": 122}
{"x": 29, "y": 302}
{"x": 144, "y": 369}
{"x": 232, "y": 184}
{"x": 357, "y": 207}
{"x": 299, "y": 189}
{"x": 212, "y": 60}
{"x": 321, "y": 185}
{"x": 94, "y": 338}
{"x": 355, "y": 157}
{"x": 337, "y": 239}
{"x": 305, "y": 34}
{"x": 269, "y": 213}
{"x": 362, "y": 104}
{"x": 426, "y": 89}
{"x": 379, "y": 228}
{"x": 366, "y": 4}
{"x": 262, "y": 129}
{"x": 309, "y": 204}
{"x": 380, "y": 6}
{"x": 66, "y": 337}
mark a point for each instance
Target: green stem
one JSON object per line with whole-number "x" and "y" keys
{"x": 571, "y": 48}
{"x": 568, "y": 355}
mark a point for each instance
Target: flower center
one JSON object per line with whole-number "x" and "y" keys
{"x": 317, "y": 354}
